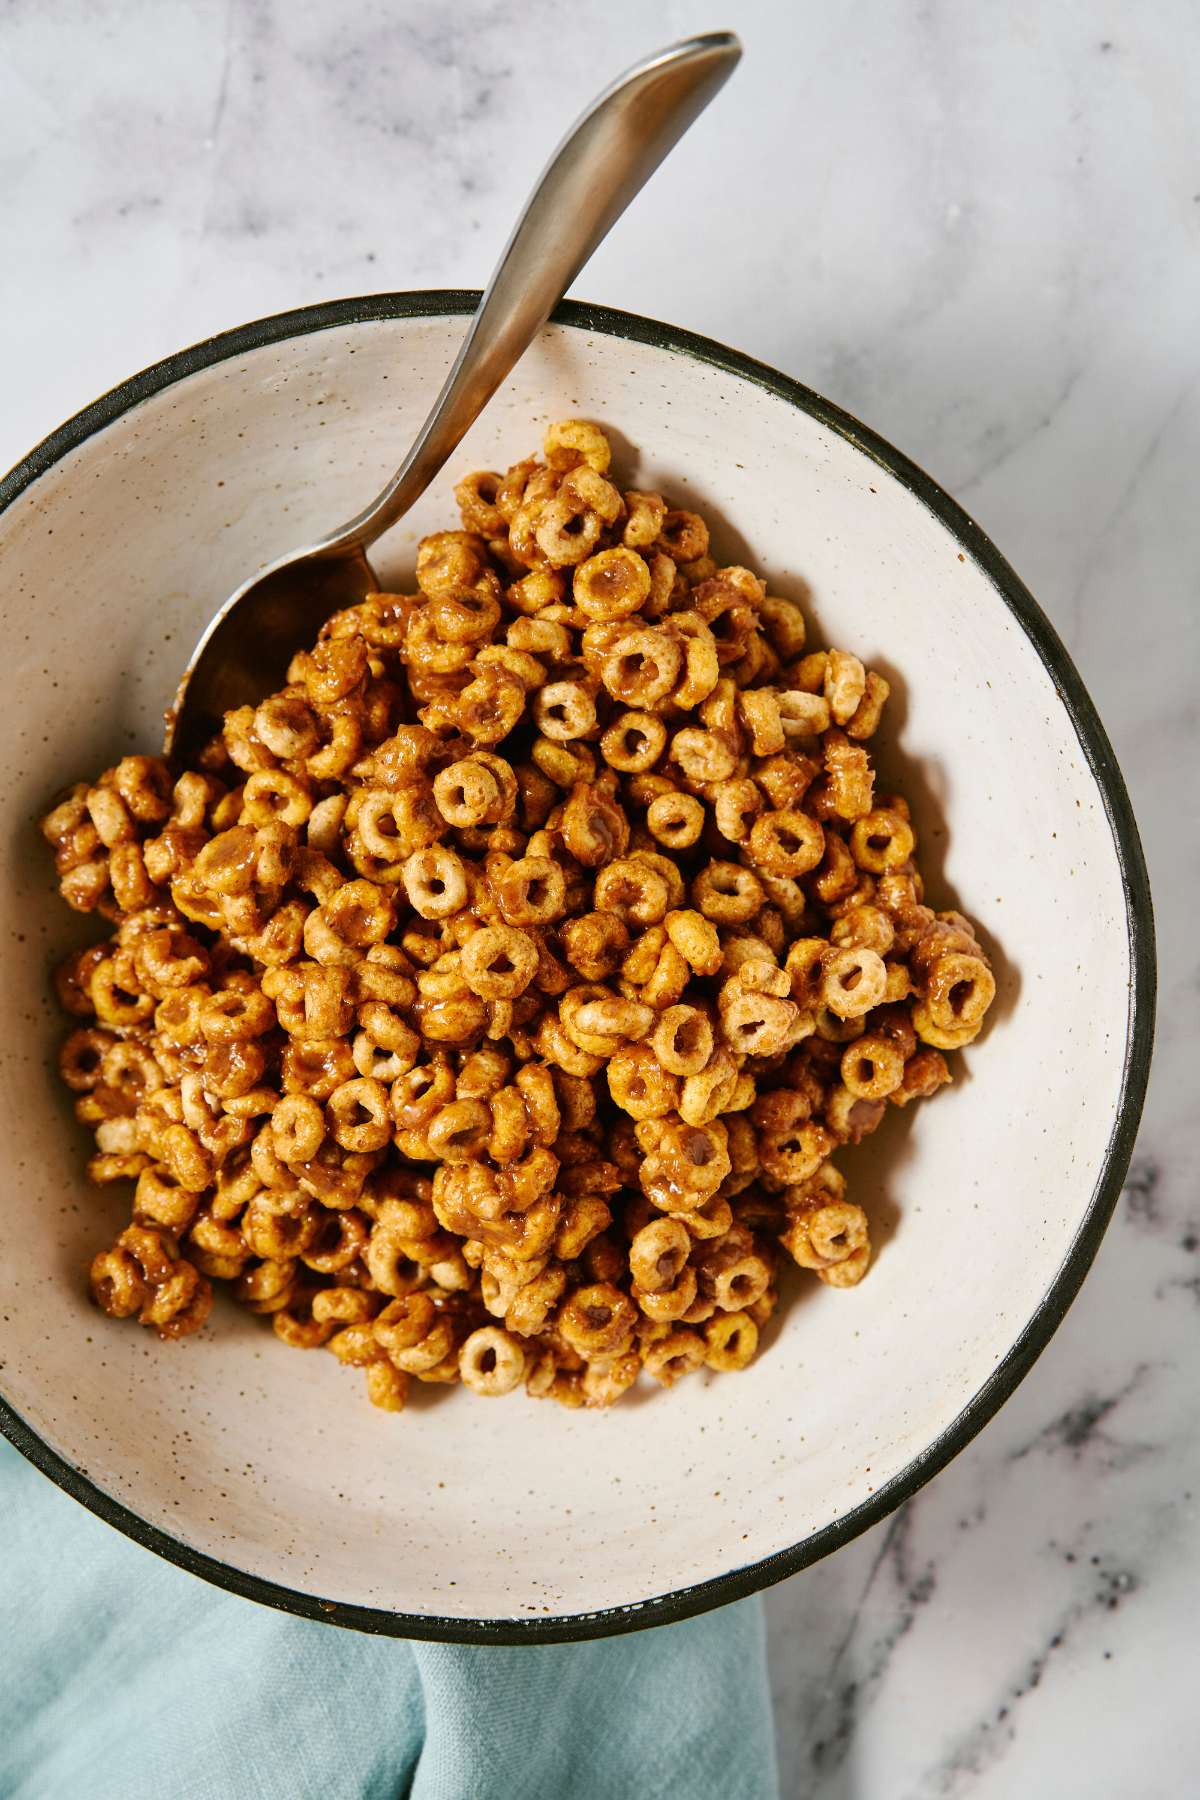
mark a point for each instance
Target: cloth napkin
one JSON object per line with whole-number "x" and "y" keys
{"x": 122, "y": 1676}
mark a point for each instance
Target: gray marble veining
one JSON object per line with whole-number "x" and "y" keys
{"x": 977, "y": 227}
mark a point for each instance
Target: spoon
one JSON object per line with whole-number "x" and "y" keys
{"x": 602, "y": 163}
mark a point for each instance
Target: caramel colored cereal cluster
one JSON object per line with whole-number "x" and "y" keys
{"x": 488, "y": 1005}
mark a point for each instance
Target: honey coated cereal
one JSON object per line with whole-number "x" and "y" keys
{"x": 488, "y": 1004}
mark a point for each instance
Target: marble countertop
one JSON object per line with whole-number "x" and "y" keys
{"x": 977, "y": 228}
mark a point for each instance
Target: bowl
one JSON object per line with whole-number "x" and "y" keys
{"x": 266, "y": 1471}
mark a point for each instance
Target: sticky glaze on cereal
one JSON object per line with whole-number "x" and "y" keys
{"x": 487, "y": 1006}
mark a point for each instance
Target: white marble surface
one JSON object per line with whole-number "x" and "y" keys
{"x": 977, "y": 227}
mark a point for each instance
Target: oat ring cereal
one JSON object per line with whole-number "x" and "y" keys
{"x": 488, "y": 1005}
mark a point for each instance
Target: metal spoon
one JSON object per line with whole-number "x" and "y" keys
{"x": 605, "y": 160}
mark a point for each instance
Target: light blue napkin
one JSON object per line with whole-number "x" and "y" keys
{"x": 122, "y": 1676}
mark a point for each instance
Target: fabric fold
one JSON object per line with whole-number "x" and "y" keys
{"x": 120, "y": 1675}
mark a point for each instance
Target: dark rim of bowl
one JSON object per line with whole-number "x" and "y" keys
{"x": 665, "y": 1609}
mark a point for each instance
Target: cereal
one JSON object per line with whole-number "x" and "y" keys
{"x": 487, "y": 1006}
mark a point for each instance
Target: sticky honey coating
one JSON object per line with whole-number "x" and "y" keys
{"x": 487, "y": 1005}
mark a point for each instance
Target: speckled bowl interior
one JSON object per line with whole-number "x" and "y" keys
{"x": 266, "y": 1468}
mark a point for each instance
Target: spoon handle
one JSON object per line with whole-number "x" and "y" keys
{"x": 604, "y": 160}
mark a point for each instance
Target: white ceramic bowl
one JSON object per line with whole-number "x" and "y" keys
{"x": 265, "y": 1470}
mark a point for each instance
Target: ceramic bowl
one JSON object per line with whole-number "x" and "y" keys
{"x": 266, "y": 1470}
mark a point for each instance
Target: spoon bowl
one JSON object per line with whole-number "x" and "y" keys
{"x": 246, "y": 650}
